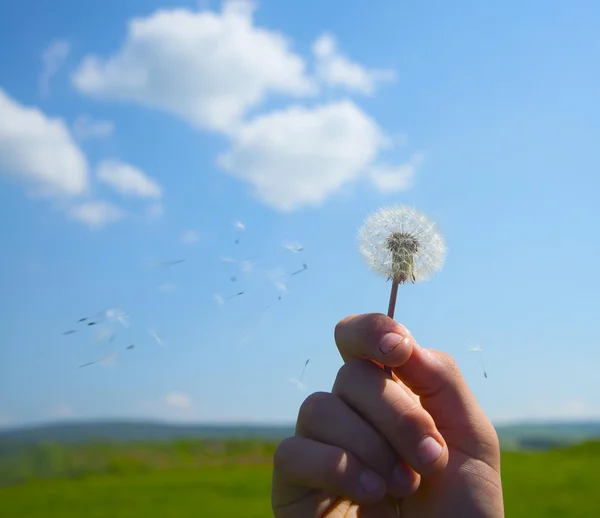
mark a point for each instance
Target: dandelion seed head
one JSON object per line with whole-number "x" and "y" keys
{"x": 402, "y": 244}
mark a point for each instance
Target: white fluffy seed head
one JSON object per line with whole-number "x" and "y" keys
{"x": 402, "y": 244}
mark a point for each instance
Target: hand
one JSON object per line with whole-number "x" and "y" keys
{"x": 417, "y": 446}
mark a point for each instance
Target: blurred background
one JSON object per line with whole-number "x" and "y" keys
{"x": 182, "y": 185}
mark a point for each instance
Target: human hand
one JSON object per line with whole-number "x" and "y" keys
{"x": 368, "y": 448}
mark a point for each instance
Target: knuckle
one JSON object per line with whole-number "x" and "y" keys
{"x": 315, "y": 409}
{"x": 410, "y": 418}
{"x": 341, "y": 326}
{"x": 449, "y": 365}
{"x": 284, "y": 453}
{"x": 348, "y": 372}
{"x": 337, "y": 465}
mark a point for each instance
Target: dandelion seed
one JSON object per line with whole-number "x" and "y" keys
{"x": 293, "y": 247}
{"x": 157, "y": 338}
{"x": 166, "y": 264}
{"x": 246, "y": 266}
{"x": 403, "y": 245}
{"x": 82, "y": 320}
{"x": 236, "y": 295}
{"x": 298, "y": 381}
{"x": 111, "y": 359}
{"x": 218, "y": 298}
{"x": 106, "y": 360}
{"x": 239, "y": 225}
{"x": 69, "y": 332}
{"x": 129, "y": 347}
{"x": 304, "y": 268}
{"x": 116, "y": 315}
{"x": 105, "y": 334}
{"x": 479, "y": 351}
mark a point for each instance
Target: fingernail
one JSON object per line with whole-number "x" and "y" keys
{"x": 392, "y": 340}
{"x": 371, "y": 482}
{"x": 429, "y": 450}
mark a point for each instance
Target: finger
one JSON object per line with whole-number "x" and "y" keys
{"x": 432, "y": 375}
{"x": 403, "y": 422}
{"x": 374, "y": 336}
{"x": 435, "y": 377}
{"x": 302, "y": 462}
{"x": 325, "y": 418}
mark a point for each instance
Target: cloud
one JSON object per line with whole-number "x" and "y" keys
{"x": 335, "y": 70}
{"x": 85, "y": 128}
{"x": 208, "y": 68}
{"x": 299, "y": 156}
{"x": 391, "y": 179}
{"x": 127, "y": 180}
{"x": 189, "y": 237}
{"x": 53, "y": 57}
{"x": 96, "y": 214}
{"x": 39, "y": 151}
{"x": 178, "y": 400}
{"x": 62, "y": 410}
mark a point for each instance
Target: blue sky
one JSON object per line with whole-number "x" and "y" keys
{"x": 140, "y": 131}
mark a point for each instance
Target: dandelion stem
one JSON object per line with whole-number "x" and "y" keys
{"x": 393, "y": 296}
{"x": 390, "y": 313}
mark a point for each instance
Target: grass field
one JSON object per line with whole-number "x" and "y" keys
{"x": 233, "y": 478}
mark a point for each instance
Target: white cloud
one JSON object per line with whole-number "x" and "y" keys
{"x": 85, "y": 127}
{"x": 208, "y": 68}
{"x": 189, "y": 237}
{"x": 53, "y": 58}
{"x": 336, "y": 70}
{"x": 96, "y": 214}
{"x": 178, "y": 400}
{"x": 39, "y": 151}
{"x": 62, "y": 410}
{"x": 127, "y": 179}
{"x": 391, "y": 179}
{"x": 299, "y": 156}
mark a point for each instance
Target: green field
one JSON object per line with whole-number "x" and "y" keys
{"x": 233, "y": 478}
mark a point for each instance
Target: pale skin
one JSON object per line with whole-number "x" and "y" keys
{"x": 368, "y": 448}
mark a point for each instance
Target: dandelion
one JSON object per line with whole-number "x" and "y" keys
{"x": 403, "y": 245}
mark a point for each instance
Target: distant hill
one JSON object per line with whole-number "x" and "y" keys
{"x": 530, "y": 436}
{"x": 136, "y": 431}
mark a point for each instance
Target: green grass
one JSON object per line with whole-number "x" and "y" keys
{"x": 219, "y": 491}
{"x": 223, "y": 479}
